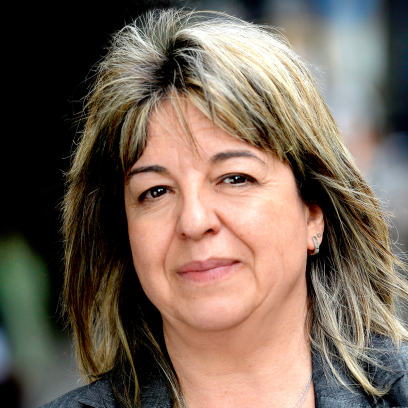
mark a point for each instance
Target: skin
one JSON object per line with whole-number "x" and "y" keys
{"x": 219, "y": 238}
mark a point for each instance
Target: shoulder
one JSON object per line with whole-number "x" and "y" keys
{"x": 98, "y": 394}
{"x": 154, "y": 391}
{"x": 390, "y": 372}
{"x": 395, "y": 373}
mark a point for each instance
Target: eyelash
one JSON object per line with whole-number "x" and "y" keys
{"x": 245, "y": 176}
{"x": 142, "y": 198}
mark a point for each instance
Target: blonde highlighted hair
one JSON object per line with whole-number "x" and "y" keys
{"x": 247, "y": 80}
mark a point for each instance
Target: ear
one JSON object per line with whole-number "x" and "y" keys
{"x": 315, "y": 226}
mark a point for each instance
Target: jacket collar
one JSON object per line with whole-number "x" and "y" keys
{"x": 153, "y": 387}
{"x": 99, "y": 394}
{"x": 330, "y": 393}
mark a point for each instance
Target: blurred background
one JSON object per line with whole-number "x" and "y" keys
{"x": 357, "y": 49}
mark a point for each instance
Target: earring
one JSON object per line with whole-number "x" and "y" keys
{"x": 317, "y": 247}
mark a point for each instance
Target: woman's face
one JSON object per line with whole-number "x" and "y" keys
{"x": 218, "y": 233}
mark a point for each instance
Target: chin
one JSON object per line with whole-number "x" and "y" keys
{"x": 216, "y": 316}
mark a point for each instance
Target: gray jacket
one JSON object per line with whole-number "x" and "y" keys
{"x": 329, "y": 393}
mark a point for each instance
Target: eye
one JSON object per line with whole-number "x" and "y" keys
{"x": 237, "y": 179}
{"x": 154, "y": 192}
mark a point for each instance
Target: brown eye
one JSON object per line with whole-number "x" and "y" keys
{"x": 157, "y": 191}
{"x": 152, "y": 193}
{"x": 236, "y": 179}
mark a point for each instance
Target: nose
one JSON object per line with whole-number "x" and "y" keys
{"x": 197, "y": 216}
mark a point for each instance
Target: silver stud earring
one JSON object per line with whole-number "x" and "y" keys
{"x": 319, "y": 235}
{"x": 317, "y": 247}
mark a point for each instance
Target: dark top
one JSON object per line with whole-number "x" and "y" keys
{"x": 329, "y": 393}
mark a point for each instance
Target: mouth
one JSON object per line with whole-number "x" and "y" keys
{"x": 209, "y": 270}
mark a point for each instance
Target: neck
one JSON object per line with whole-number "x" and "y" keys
{"x": 263, "y": 362}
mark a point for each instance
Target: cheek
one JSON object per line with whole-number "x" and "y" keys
{"x": 268, "y": 221}
{"x": 144, "y": 243}
{"x": 149, "y": 244}
{"x": 276, "y": 231}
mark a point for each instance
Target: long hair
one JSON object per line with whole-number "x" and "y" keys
{"x": 247, "y": 80}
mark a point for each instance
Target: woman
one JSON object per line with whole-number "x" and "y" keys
{"x": 222, "y": 249}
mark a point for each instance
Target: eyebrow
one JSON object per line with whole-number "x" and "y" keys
{"x": 220, "y": 157}
{"x": 147, "y": 169}
{"x": 216, "y": 159}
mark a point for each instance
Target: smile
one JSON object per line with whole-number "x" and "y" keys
{"x": 207, "y": 271}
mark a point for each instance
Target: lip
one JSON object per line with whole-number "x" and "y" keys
{"x": 209, "y": 270}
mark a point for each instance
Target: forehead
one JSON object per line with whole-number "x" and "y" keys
{"x": 189, "y": 130}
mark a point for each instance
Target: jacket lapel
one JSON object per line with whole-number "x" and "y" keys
{"x": 99, "y": 394}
